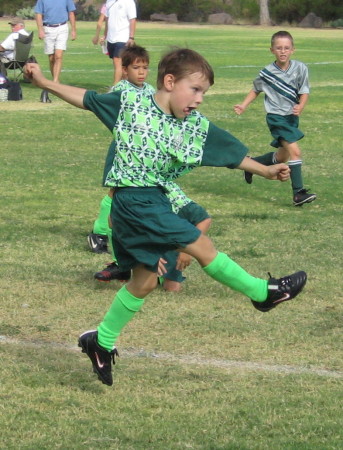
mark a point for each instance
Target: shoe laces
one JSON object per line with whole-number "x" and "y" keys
{"x": 304, "y": 191}
{"x": 283, "y": 283}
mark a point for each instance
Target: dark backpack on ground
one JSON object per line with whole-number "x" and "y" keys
{"x": 14, "y": 91}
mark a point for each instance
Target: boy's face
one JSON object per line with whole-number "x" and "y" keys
{"x": 283, "y": 50}
{"x": 186, "y": 94}
{"x": 136, "y": 72}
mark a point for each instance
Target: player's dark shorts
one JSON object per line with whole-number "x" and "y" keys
{"x": 283, "y": 128}
{"x": 195, "y": 214}
{"x": 145, "y": 227}
{"x": 114, "y": 50}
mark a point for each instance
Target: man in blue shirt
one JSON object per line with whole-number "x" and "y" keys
{"x": 52, "y": 21}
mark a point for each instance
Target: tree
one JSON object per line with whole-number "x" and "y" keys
{"x": 264, "y": 13}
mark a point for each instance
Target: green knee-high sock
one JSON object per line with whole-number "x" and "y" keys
{"x": 123, "y": 308}
{"x": 296, "y": 176}
{"x": 101, "y": 224}
{"x": 267, "y": 159}
{"x": 226, "y": 271}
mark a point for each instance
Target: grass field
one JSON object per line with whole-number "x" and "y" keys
{"x": 198, "y": 370}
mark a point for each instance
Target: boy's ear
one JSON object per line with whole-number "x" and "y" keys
{"x": 169, "y": 81}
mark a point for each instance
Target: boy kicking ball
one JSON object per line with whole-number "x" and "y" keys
{"x": 159, "y": 138}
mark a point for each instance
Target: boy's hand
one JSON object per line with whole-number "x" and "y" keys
{"x": 183, "y": 261}
{"x": 275, "y": 172}
{"x": 297, "y": 110}
{"x": 161, "y": 270}
{"x": 279, "y": 172}
{"x": 239, "y": 109}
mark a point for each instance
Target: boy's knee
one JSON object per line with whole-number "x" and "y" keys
{"x": 141, "y": 290}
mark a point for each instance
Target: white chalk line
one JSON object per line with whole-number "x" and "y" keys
{"x": 110, "y": 69}
{"x": 190, "y": 359}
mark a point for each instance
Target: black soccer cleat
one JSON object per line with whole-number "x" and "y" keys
{"x": 98, "y": 243}
{"x": 101, "y": 359}
{"x": 281, "y": 290}
{"x": 248, "y": 176}
{"x": 112, "y": 272}
{"x": 303, "y": 196}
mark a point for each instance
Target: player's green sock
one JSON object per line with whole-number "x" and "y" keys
{"x": 226, "y": 271}
{"x": 110, "y": 244}
{"x": 123, "y": 308}
{"x": 101, "y": 224}
{"x": 267, "y": 159}
{"x": 296, "y": 176}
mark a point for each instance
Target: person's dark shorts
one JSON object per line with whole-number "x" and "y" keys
{"x": 114, "y": 50}
{"x": 145, "y": 228}
{"x": 283, "y": 128}
{"x": 194, "y": 214}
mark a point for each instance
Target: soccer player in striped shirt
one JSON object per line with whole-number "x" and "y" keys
{"x": 286, "y": 90}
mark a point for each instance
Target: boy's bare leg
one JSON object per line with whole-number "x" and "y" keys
{"x": 142, "y": 282}
{"x": 171, "y": 285}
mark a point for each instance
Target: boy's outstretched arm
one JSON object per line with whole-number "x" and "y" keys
{"x": 279, "y": 172}
{"x": 70, "y": 94}
{"x": 239, "y": 109}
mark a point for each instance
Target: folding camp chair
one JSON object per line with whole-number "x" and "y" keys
{"x": 22, "y": 50}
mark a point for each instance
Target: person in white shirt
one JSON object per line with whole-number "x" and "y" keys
{"x": 7, "y": 47}
{"x": 119, "y": 31}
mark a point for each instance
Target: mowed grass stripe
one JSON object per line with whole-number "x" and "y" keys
{"x": 189, "y": 359}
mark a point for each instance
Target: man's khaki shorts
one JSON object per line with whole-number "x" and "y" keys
{"x": 55, "y": 38}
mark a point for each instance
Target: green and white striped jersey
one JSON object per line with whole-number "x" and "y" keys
{"x": 282, "y": 87}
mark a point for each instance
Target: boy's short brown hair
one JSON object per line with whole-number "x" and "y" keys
{"x": 135, "y": 52}
{"x": 182, "y": 62}
{"x": 281, "y": 34}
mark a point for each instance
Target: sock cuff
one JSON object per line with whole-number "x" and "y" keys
{"x": 128, "y": 300}
{"x": 216, "y": 264}
{"x": 295, "y": 162}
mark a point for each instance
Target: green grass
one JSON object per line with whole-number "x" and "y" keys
{"x": 201, "y": 369}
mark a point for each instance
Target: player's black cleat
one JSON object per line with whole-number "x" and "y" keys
{"x": 101, "y": 359}
{"x": 248, "y": 177}
{"x": 112, "y": 272}
{"x": 303, "y": 196}
{"x": 98, "y": 243}
{"x": 282, "y": 289}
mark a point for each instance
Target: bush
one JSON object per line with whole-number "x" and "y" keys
{"x": 192, "y": 10}
{"x": 26, "y": 13}
{"x": 337, "y": 23}
{"x": 295, "y": 10}
{"x": 86, "y": 13}
{"x": 10, "y": 7}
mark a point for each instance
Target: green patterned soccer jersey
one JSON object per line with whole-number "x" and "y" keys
{"x": 177, "y": 197}
{"x": 125, "y": 85}
{"x": 153, "y": 148}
